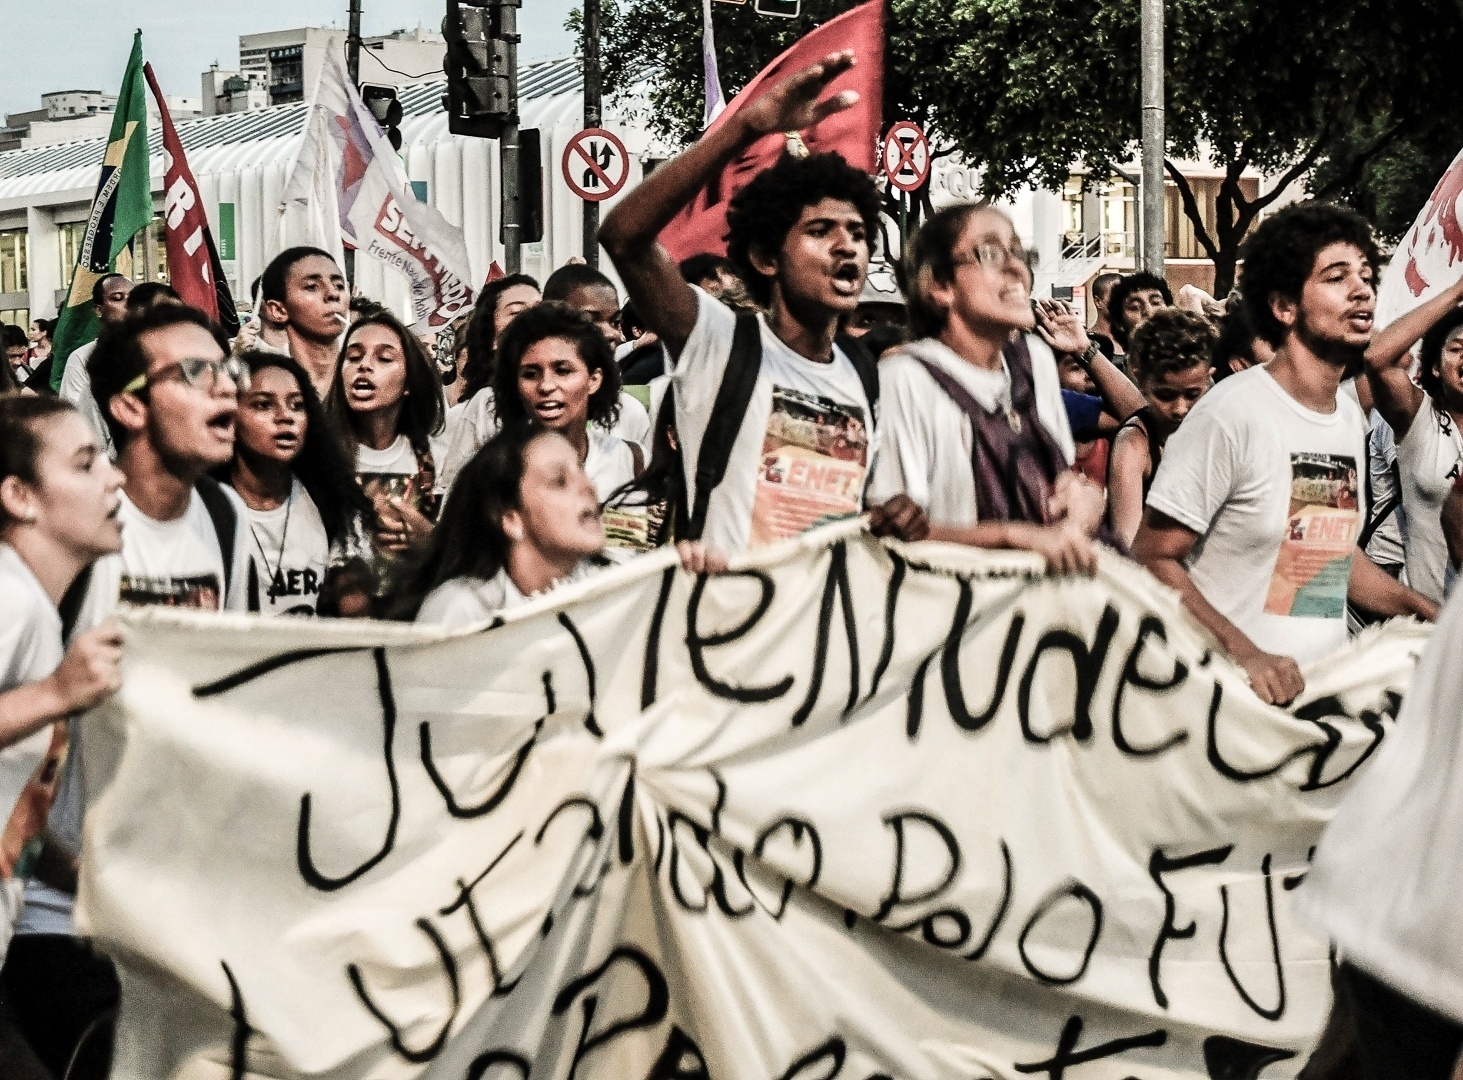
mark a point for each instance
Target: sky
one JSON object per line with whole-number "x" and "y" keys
{"x": 83, "y": 44}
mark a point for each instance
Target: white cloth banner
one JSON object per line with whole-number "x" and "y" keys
{"x": 346, "y": 172}
{"x": 849, "y": 810}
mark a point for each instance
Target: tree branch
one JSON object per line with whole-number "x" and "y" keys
{"x": 1191, "y": 209}
{"x": 1352, "y": 173}
{"x": 1294, "y": 173}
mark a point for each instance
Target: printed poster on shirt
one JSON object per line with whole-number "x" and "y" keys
{"x": 814, "y": 457}
{"x": 1314, "y": 565}
{"x": 201, "y": 592}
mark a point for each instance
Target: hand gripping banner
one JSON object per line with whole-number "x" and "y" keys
{"x": 850, "y": 810}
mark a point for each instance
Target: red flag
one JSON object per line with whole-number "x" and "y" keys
{"x": 194, "y": 269}
{"x": 495, "y": 272}
{"x": 854, "y": 133}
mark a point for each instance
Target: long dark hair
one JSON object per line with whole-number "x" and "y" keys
{"x": 322, "y": 466}
{"x": 540, "y": 323}
{"x": 469, "y": 540}
{"x": 477, "y": 373}
{"x": 664, "y": 480}
{"x": 422, "y": 413}
{"x": 1430, "y": 354}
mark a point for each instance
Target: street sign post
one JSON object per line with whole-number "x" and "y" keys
{"x": 595, "y": 164}
{"x": 906, "y": 157}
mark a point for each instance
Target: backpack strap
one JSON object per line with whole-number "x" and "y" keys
{"x": 70, "y": 606}
{"x": 738, "y": 382}
{"x": 867, "y": 366}
{"x": 225, "y": 523}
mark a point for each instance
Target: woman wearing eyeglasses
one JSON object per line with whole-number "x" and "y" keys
{"x": 1170, "y": 355}
{"x": 386, "y": 400}
{"x": 973, "y": 428}
{"x": 305, "y": 510}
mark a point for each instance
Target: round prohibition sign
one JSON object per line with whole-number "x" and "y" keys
{"x": 595, "y": 165}
{"x": 906, "y": 156}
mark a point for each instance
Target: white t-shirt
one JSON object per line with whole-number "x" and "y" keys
{"x": 30, "y": 650}
{"x": 1385, "y": 880}
{"x": 1275, "y": 492}
{"x": 390, "y": 470}
{"x": 470, "y": 601}
{"x": 288, "y": 555}
{"x": 1429, "y": 457}
{"x": 76, "y": 388}
{"x": 805, "y": 446}
{"x": 478, "y": 422}
{"x": 175, "y": 563}
{"x": 926, "y": 441}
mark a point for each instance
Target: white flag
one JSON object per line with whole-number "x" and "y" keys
{"x": 351, "y": 185}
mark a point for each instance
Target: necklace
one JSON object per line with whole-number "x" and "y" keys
{"x": 284, "y": 536}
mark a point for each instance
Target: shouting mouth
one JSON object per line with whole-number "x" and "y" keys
{"x": 549, "y": 410}
{"x": 1360, "y": 321}
{"x": 222, "y": 424}
{"x": 847, "y": 280}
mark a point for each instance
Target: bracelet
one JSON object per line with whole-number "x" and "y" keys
{"x": 1089, "y": 354}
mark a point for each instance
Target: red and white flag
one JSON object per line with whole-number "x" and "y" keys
{"x": 351, "y": 185}
{"x": 1430, "y": 257}
{"x": 194, "y": 269}
{"x": 854, "y": 133}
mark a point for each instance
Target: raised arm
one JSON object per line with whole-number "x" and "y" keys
{"x": 1387, "y": 359}
{"x": 1060, "y": 326}
{"x": 1162, "y": 545}
{"x": 631, "y": 230}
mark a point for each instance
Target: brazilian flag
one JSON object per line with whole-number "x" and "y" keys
{"x": 122, "y": 207}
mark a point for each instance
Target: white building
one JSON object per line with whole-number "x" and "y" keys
{"x": 241, "y": 161}
{"x": 285, "y": 62}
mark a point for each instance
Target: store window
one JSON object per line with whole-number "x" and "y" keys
{"x": 14, "y": 277}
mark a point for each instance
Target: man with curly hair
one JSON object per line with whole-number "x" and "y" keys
{"x": 799, "y": 236}
{"x": 1257, "y": 506}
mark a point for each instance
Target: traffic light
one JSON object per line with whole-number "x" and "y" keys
{"x": 530, "y": 188}
{"x": 381, "y": 100}
{"x": 481, "y": 95}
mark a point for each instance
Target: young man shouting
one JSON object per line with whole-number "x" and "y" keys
{"x": 1255, "y": 511}
{"x": 799, "y": 236}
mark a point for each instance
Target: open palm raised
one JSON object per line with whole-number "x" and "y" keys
{"x": 793, "y": 105}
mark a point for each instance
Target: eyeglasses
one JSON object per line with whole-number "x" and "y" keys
{"x": 993, "y": 256}
{"x": 194, "y": 371}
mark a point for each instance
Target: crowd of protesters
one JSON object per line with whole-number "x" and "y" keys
{"x": 327, "y": 463}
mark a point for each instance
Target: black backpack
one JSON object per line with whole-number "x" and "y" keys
{"x": 225, "y": 522}
{"x": 730, "y": 408}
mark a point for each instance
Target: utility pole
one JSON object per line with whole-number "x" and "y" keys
{"x": 508, "y": 144}
{"x": 353, "y": 68}
{"x": 592, "y": 119}
{"x": 1153, "y": 231}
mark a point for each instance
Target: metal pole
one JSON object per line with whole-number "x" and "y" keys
{"x": 591, "y": 120}
{"x": 353, "y": 67}
{"x": 508, "y": 145}
{"x": 1153, "y": 232}
{"x": 353, "y": 43}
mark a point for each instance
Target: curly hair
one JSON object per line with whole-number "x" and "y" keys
{"x": 1280, "y": 255}
{"x": 1430, "y": 353}
{"x": 764, "y": 212}
{"x": 555, "y": 320}
{"x": 1117, "y": 299}
{"x": 1172, "y": 340}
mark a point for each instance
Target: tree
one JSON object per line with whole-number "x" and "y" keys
{"x": 1347, "y": 94}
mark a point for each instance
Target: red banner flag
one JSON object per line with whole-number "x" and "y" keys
{"x": 194, "y": 269}
{"x": 854, "y": 133}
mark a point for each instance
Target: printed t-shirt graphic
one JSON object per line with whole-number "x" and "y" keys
{"x": 814, "y": 456}
{"x": 1314, "y": 565}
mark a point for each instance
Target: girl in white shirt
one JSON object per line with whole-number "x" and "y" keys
{"x": 556, "y": 369}
{"x": 387, "y": 400}
{"x": 304, "y": 507}
{"x": 522, "y": 517}
{"x": 1424, "y": 418}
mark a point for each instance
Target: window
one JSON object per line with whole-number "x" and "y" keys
{"x": 70, "y": 236}
{"x": 13, "y": 275}
{"x": 1119, "y": 219}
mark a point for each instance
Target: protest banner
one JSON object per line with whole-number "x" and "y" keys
{"x": 350, "y": 184}
{"x": 849, "y": 810}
